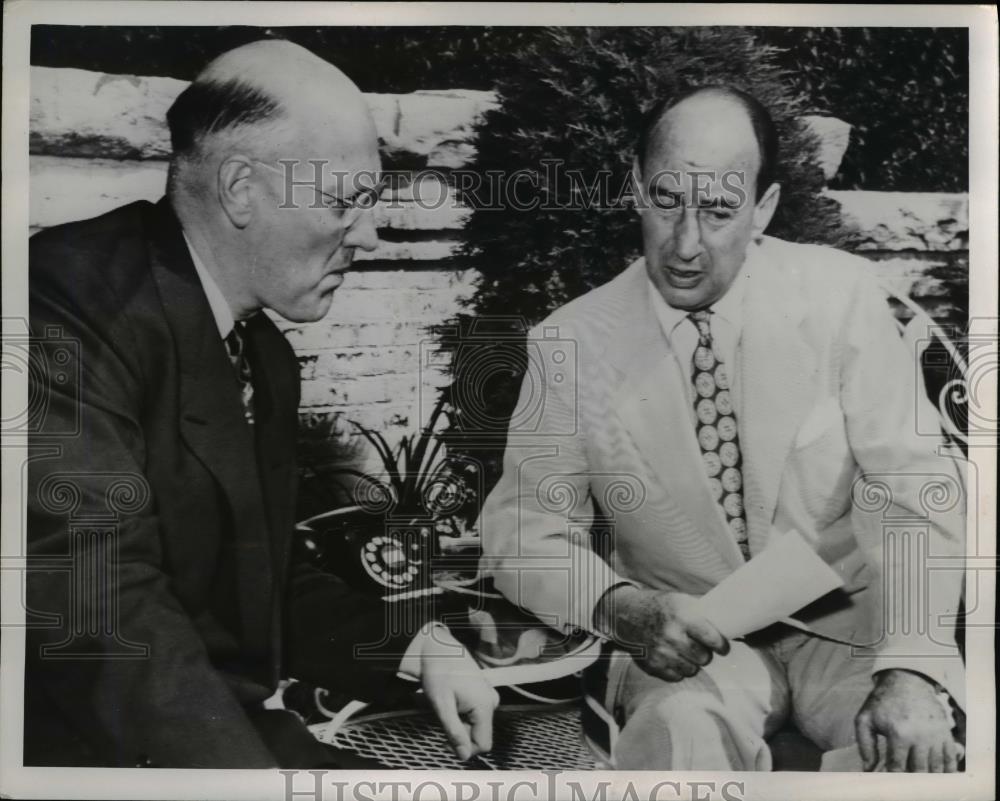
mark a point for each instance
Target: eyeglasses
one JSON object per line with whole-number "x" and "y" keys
{"x": 350, "y": 207}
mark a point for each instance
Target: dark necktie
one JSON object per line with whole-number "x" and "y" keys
{"x": 236, "y": 346}
{"x": 718, "y": 436}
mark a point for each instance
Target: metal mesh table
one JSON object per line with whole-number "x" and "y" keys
{"x": 524, "y": 738}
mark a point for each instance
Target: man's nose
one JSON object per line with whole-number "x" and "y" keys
{"x": 362, "y": 233}
{"x": 688, "y": 235}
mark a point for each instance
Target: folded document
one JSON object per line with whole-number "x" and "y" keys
{"x": 783, "y": 578}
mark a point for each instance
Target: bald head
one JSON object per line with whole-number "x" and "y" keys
{"x": 269, "y": 99}
{"x": 277, "y": 66}
{"x": 714, "y": 120}
{"x": 272, "y": 147}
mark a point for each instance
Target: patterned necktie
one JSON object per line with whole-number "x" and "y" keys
{"x": 716, "y": 428}
{"x": 236, "y": 346}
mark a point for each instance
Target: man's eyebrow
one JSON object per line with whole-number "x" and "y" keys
{"x": 354, "y": 191}
{"x": 718, "y": 203}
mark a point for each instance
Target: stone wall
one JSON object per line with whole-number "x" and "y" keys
{"x": 918, "y": 243}
{"x": 98, "y": 141}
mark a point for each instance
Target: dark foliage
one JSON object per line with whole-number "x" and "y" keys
{"x": 378, "y": 59}
{"x": 916, "y": 78}
{"x": 905, "y": 91}
{"x": 576, "y": 97}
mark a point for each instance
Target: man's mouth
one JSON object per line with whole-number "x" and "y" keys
{"x": 682, "y": 278}
{"x": 339, "y": 264}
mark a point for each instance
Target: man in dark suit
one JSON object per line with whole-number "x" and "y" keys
{"x": 163, "y": 473}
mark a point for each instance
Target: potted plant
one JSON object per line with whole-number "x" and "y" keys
{"x": 407, "y": 521}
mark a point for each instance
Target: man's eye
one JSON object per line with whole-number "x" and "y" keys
{"x": 334, "y": 203}
{"x": 719, "y": 215}
{"x": 666, "y": 202}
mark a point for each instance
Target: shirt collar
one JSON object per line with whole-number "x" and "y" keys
{"x": 728, "y": 308}
{"x": 221, "y": 312}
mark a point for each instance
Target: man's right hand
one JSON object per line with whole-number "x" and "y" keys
{"x": 663, "y": 631}
{"x": 458, "y": 692}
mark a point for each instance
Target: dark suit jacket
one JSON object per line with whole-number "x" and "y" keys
{"x": 161, "y": 606}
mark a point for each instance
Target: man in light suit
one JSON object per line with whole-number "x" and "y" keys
{"x": 165, "y": 465}
{"x": 731, "y": 387}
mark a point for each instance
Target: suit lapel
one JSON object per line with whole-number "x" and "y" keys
{"x": 212, "y": 422}
{"x": 778, "y": 381}
{"x": 653, "y": 406}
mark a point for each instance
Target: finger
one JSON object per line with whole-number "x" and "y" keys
{"x": 950, "y": 756}
{"x": 935, "y": 758}
{"x": 897, "y": 754}
{"x": 453, "y": 727}
{"x": 685, "y": 668}
{"x": 867, "y": 745}
{"x": 705, "y": 633}
{"x": 919, "y": 760}
{"x": 665, "y": 655}
{"x": 481, "y": 718}
{"x": 667, "y": 673}
{"x": 675, "y": 660}
{"x": 695, "y": 653}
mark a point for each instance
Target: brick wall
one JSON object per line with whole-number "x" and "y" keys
{"x": 98, "y": 141}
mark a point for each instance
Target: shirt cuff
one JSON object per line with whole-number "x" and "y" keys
{"x": 409, "y": 665}
{"x": 593, "y": 613}
{"x": 948, "y": 679}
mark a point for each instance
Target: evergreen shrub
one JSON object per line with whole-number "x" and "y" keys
{"x": 575, "y": 96}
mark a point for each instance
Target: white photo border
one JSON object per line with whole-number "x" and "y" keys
{"x": 977, "y": 782}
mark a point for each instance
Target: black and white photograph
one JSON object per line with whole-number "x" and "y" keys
{"x": 507, "y": 401}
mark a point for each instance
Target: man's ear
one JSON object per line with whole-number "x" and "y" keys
{"x": 235, "y": 189}
{"x": 764, "y": 210}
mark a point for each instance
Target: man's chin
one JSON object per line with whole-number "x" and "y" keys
{"x": 323, "y": 307}
{"x": 309, "y": 313}
{"x": 686, "y": 298}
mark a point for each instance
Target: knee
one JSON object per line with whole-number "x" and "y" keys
{"x": 668, "y": 709}
{"x": 674, "y": 718}
{"x": 697, "y": 716}
{"x": 689, "y": 733}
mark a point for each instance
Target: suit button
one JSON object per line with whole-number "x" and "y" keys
{"x": 143, "y": 761}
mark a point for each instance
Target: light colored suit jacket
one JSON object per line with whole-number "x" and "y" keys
{"x": 828, "y": 408}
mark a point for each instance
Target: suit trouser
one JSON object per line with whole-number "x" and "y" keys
{"x": 720, "y": 718}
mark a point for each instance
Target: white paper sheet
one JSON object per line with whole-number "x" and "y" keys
{"x": 786, "y": 576}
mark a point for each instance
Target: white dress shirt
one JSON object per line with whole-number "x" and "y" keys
{"x": 682, "y": 335}
{"x": 221, "y": 312}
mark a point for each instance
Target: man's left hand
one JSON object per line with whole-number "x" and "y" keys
{"x": 905, "y": 710}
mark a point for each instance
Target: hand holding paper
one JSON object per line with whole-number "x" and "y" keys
{"x": 665, "y": 632}
{"x": 783, "y": 578}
